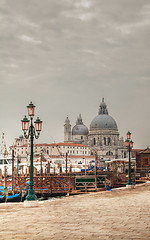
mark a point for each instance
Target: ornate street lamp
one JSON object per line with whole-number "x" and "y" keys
{"x": 129, "y": 145}
{"x": 31, "y": 131}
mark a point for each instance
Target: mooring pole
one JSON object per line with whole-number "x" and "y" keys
{"x": 13, "y": 170}
{"x": 17, "y": 165}
{"x": 66, "y": 162}
{"x": 41, "y": 166}
{"x": 5, "y": 177}
{"x": 96, "y": 169}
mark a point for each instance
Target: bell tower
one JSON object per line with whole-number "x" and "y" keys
{"x": 67, "y": 130}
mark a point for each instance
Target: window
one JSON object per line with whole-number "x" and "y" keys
{"x": 104, "y": 141}
{"x": 81, "y": 137}
{"x": 94, "y": 141}
{"x": 109, "y": 153}
{"x": 109, "y": 141}
{"x": 47, "y": 151}
{"x": 145, "y": 161}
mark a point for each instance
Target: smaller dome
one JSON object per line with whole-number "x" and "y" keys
{"x": 79, "y": 128}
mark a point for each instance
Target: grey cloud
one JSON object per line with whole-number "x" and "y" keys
{"x": 65, "y": 55}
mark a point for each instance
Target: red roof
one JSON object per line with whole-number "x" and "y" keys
{"x": 54, "y": 144}
{"x": 137, "y": 150}
{"x": 67, "y": 144}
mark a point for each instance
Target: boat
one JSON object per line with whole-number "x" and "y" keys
{"x": 6, "y": 196}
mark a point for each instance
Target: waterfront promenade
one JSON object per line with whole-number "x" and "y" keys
{"x": 117, "y": 214}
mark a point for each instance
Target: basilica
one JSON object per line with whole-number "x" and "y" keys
{"x": 102, "y": 136}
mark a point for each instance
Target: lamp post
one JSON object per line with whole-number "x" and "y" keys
{"x": 129, "y": 145}
{"x": 31, "y": 132}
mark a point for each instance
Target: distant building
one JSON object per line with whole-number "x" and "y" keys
{"x": 76, "y": 152}
{"x": 143, "y": 162}
{"x": 102, "y": 135}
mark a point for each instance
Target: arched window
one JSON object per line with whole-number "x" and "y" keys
{"x": 125, "y": 155}
{"x": 109, "y": 141}
{"x": 109, "y": 153}
{"x": 104, "y": 141}
{"x": 81, "y": 137}
{"x": 94, "y": 141}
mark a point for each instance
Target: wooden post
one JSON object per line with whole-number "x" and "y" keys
{"x": 48, "y": 168}
{"x": 12, "y": 171}
{"x": 14, "y": 181}
{"x": 41, "y": 172}
{"x": 5, "y": 177}
{"x": 105, "y": 182}
{"x": 73, "y": 182}
{"x": 95, "y": 169}
{"x": 0, "y": 174}
{"x": 22, "y": 171}
{"x": 66, "y": 162}
{"x": 70, "y": 169}
{"x": 50, "y": 184}
{"x": 34, "y": 171}
{"x": 17, "y": 165}
{"x": 60, "y": 169}
{"x": 26, "y": 172}
{"x": 85, "y": 166}
{"x": 69, "y": 183}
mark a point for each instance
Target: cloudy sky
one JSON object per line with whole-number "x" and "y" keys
{"x": 66, "y": 55}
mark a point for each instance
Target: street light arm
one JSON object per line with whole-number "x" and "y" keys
{"x": 27, "y": 133}
{"x": 36, "y": 134}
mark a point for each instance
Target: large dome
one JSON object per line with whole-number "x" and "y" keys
{"x": 79, "y": 128}
{"x": 103, "y": 120}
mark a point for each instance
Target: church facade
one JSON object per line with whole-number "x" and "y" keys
{"x": 102, "y": 136}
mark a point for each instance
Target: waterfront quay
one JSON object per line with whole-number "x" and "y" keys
{"x": 118, "y": 214}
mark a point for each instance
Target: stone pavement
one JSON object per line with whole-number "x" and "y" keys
{"x": 119, "y": 214}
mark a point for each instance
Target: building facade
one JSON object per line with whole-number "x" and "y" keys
{"x": 102, "y": 135}
{"x": 143, "y": 162}
{"x": 76, "y": 153}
